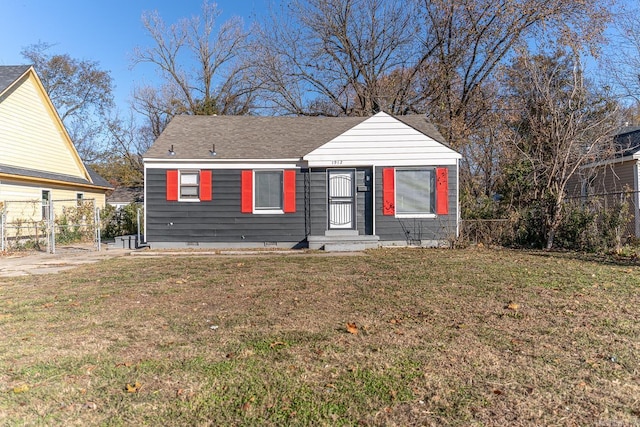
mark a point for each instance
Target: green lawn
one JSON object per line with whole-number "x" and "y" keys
{"x": 436, "y": 337}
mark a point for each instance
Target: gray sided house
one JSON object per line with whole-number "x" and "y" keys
{"x": 614, "y": 179}
{"x": 296, "y": 182}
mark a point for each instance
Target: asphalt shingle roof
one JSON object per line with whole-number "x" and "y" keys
{"x": 11, "y": 73}
{"x": 11, "y": 170}
{"x": 627, "y": 140}
{"x": 255, "y": 137}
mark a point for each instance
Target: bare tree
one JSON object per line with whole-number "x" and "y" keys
{"x": 356, "y": 57}
{"x": 622, "y": 62}
{"x": 559, "y": 122}
{"x": 81, "y": 92}
{"x": 470, "y": 38}
{"x": 199, "y": 63}
{"x": 339, "y": 57}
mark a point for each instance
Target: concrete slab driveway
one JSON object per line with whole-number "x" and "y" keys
{"x": 65, "y": 258}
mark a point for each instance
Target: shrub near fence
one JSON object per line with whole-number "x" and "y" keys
{"x": 31, "y": 224}
{"x": 597, "y": 223}
{"x": 487, "y": 231}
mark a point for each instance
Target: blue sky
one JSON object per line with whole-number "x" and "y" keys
{"x": 106, "y": 31}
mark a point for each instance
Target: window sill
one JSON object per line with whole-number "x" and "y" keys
{"x": 268, "y": 211}
{"x": 189, "y": 200}
{"x": 424, "y": 216}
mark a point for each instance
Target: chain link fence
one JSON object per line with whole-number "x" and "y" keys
{"x": 41, "y": 225}
{"x": 595, "y": 221}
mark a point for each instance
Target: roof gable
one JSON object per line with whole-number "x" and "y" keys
{"x": 32, "y": 135}
{"x": 384, "y": 139}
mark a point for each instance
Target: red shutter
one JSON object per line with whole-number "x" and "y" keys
{"x": 247, "y": 192}
{"x": 442, "y": 191}
{"x": 205, "y": 185}
{"x": 172, "y": 185}
{"x": 289, "y": 191}
{"x": 388, "y": 191}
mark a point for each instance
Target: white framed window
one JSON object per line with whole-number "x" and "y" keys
{"x": 268, "y": 191}
{"x": 189, "y": 186}
{"x": 415, "y": 193}
{"x": 46, "y": 204}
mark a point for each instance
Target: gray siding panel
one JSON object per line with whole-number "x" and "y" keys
{"x": 220, "y": 220}
{"x": 413, "y": 230}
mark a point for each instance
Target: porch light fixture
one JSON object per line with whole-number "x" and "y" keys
{"x": 171, "y": 152}
{"x": 212, "y": 152}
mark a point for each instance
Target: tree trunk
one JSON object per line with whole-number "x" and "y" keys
{"x": 554, "y": 224}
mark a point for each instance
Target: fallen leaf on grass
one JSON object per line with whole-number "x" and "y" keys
{"x": 352, "y": 328}
{"x": 277, "y": 343}
{"x": 247, "y": 405}
{"x": 125, "y": 364}
{"x": 134, "y": 388}
{"x": 513, "y": 306}
{"x": 21, "y": 389}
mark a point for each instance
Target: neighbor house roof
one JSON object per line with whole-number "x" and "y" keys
{"x": 627, "y": 141}
{"x": 10, "y": 73}
{"x": 126, "y": 195}
{"x": 22, "y": 173}
{"x": 254, "y": 137}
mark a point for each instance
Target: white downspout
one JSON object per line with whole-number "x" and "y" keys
{"x": 458, "y": 214}
{"x": 145, "y": 205}
{"x": 636, "y": 196}
{"x": 373, "y": 199}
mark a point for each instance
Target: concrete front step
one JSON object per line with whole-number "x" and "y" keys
{"x": 343, "y": 242}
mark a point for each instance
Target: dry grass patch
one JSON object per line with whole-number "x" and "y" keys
{"x": 436, "y": 338}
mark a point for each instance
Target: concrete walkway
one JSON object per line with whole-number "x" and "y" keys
{"x": 68, "y": 257}
{"x": 65, "y": 258}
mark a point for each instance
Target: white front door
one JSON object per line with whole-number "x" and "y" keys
{"x": 342, "y": 202}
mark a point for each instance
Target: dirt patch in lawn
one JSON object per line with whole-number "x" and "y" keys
{"x": 394, "y": 337}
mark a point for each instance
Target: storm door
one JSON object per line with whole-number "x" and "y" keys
{"x": 342, "y": 200}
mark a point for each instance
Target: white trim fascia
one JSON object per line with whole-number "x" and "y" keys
{"x": 214, "y": 166}
{"x": 610, "y": 161}
{"x": 382, "y": 163}
{"x": 216, "y": 160}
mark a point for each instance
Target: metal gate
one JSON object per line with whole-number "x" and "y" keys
{"x": 342, "y": 200}
{"x": 43, "y": 224}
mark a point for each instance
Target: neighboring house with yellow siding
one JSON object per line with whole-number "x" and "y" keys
{"x": 38, "y": 161}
